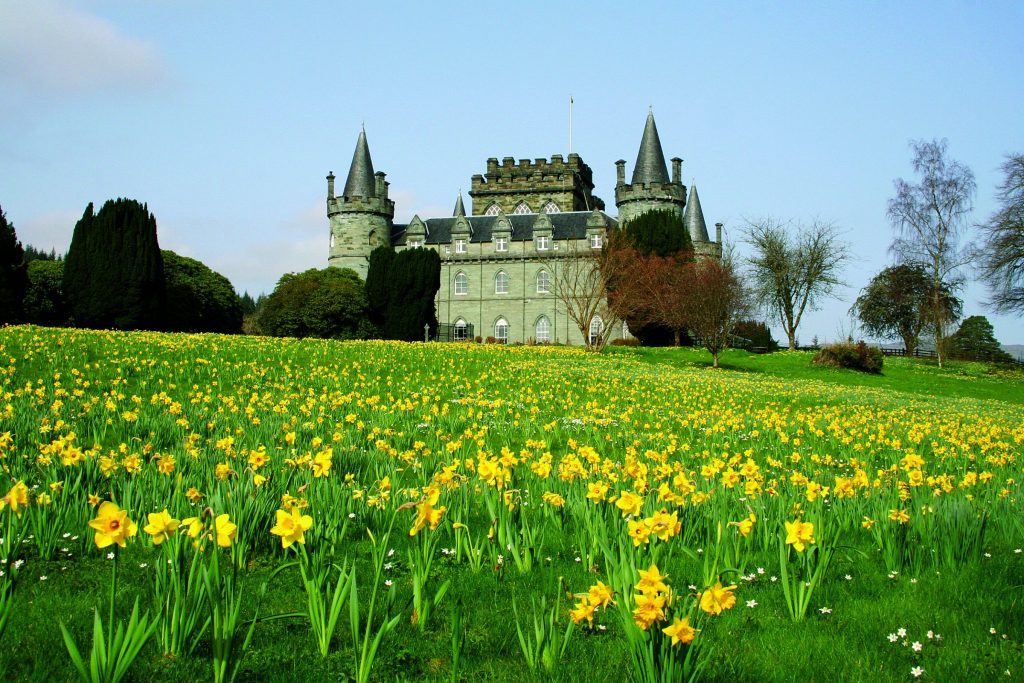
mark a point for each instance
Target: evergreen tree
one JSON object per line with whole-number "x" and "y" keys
{"x": 199, "y": 299}
{"x": 33, "y": 254}
{"x": 248, "y": 303}
{"x": 114, "y": 272}
{"x": 44, "y": 302}
{"x": 976, "y": 340}
{"x": 757, "y": 333}
{"x": 378, "y": 283}
{"x": 415, "y": 277}
{"x": 661, "y": 233}
{"x": 13, "y": 278}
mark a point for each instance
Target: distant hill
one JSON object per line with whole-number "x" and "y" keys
{"x": 1015, "y": 350}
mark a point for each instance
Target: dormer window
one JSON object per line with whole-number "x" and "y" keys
{"x": 415, "y": 243}
{"x": 543, "y": 242}
{"x": 596, "y": 241}
{"x": 460, "y": 246}
{"x": 500, "y": 244}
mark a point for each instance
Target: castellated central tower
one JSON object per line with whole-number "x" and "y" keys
{"x": 362, "y": 217}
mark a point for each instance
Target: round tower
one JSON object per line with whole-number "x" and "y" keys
{"x": 362, "y": 217}
{"x": 650, "y": 188}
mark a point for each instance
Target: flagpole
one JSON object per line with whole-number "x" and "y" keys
{"x": 570, "y": 124}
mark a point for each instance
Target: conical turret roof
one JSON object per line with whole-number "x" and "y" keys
{"x": 460, "y": 209}
{"x": 694, "y": 217}
{"x": 650, "y": 161}
{"x": 360, "y": 181}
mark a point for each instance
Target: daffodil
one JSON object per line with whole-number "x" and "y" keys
{"x": 799, "y": 534}
{"x": 680, "y": 631}
{"x": 161, "y": 526}
{"x": 291, "y": 526}
{"x": 225, "y": 531}
{"x": 112, "y": 525}
{"x": 17, "y": 498}
{"x": 717, "y": 599}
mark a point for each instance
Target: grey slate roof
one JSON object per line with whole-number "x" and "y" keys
{"x": 361, "y": 182}
{"x": 693, "y": 217}
{"x": 460, "y": 209}
{"x": 650, "y": 161}
{"x": 564, "y": 225}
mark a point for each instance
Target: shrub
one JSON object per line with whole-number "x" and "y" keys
{"x": 851, "y": 356}
{"x": 632, "y": 341}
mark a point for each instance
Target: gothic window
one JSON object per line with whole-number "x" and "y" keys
{"x": 492, "y": 210}
{"x": 596, "y": 327}
{"x": 521, "y": 207}
{"x": 461, "y": 330}
{"x": 501, "y": 331}
{"x": 500, "y": 244}
{"x": 332, "y": 240}
{"x": 501, "y": 282}
{"x": 543, "y": 282}
{"x": 551, "y": 207}
{"x": 543, "y": 243}
{"x": 461, "y": 284}
{"x": 543, "y": 331}
{"x": 595, "y": 241}
{"x": 460, "y": 246}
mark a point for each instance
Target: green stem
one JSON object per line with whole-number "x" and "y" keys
{"x": 113, "y": 588}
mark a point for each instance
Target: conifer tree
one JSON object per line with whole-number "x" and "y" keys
{"x": 114, "y": 272}
{"x": 415, "y": 277}
{"x": 661, "y": 233}
{"x": 13, "y": 277}
{"x": 378, "y": 283}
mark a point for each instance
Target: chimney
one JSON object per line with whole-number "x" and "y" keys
{"x": 379, "y": 175}
{"x": 620, "y": 172}
{"x": 718, "y": 232}
{"x": 677, "y": 170}
{"x": 330, "y": 185}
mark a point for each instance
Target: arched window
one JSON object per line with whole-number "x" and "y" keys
{"x": 501, "y": 282}
{"x": 596, "y": 327}
{"x": 501, "y": 331}
{"x": 461, "y": 284}
{"x": 543, "y": 282}
{"x": 543, "y": 331}
{"x": 551, "y": 207}
{"x": 492, "y": 210}
{"x": 461, "y": 330}
{"x": 332, "y": 240}
{"x": 521, "y": 207}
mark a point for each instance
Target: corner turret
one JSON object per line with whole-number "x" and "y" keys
{"x": 361, "y": 219}
{"x": 650, "y": 189}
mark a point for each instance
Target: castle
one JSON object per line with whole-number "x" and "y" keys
{"x": 497, "y": 262}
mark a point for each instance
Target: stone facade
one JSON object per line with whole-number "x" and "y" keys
{"x": 499, "y": 264}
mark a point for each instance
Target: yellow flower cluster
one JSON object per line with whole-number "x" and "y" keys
{"x": 652, "y": 597}
{"x": 599, "y": 595}
{"x": 661, "y": 525}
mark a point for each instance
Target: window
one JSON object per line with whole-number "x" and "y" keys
{"x": 521, "y": 208}
{"x": 543, "y": 282}
{"x": 501, "y": 282}
{"x": 543, "y": 331}
{"x": 500, "y": 244}
{"x": 460, "y": 246}
{"x": 596, "y": 327}
{"x": 595, "y": 241}
{"x": 551, "y": 207}
{"x": 492, "y": 210}
{"x": 415, "y": 243}
{"x": 543, "y": 242}
{"x": 461, "y": 284}
{"x": 501, "y": 331}
{"x": 332, "y": 240}
{"x": 461, "y": 330}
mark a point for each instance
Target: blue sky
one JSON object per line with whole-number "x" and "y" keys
{"x": 226, "y": 116}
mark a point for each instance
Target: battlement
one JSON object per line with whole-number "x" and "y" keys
{"x": 510, "y": 185}
{"x": 672, "y": 192}
{"x": 381, "y": 206}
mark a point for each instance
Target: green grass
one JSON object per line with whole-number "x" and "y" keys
{"x": 957, "y": 379}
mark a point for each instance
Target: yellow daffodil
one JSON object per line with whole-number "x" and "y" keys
{"x": 17, "y": 498}
{"x": 717, "y": 599}
{"x": 225, "y": 531}
{"x": 291, "y": 526}
{"x": 112, "y": 525}
{"x": 680, "y": 631}
{"x": 161, "y": 526}
{"x": 799, "y": 534}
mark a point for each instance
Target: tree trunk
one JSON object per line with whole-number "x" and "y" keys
{"x": 792, "y": 339}
{"x": 676, "y": 341}
{"x": 714, "y": 359}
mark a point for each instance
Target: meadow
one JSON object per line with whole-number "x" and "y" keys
{"x": 188, "y": 507}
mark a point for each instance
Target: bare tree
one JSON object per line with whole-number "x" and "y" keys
{"x": 928, "y": 218}
{"x": 717, "y": 301}
{"x": 791, "y": 273}
{"x": 1002, "y": 258}
{"x": 580, "y": 280}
